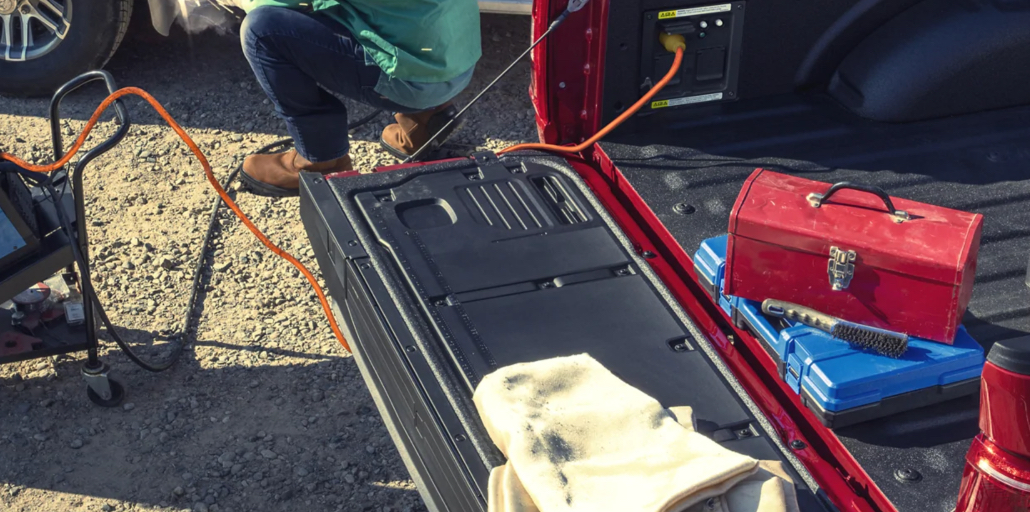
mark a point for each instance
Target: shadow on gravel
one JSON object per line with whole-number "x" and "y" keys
{"x": 250, "y": 429}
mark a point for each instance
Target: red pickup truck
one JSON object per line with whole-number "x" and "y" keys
{"x": 442, "y": 272}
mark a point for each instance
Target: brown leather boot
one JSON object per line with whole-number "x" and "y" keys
{"x": 278, "y": 175}
{"x": 412, "y": 131}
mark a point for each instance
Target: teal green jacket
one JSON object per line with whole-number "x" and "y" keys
{"x": 416, "y": 42}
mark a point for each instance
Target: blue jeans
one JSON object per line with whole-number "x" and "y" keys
{"x": 298, "y": 59}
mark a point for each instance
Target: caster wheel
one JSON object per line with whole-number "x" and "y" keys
{"x": 117, "y": 395}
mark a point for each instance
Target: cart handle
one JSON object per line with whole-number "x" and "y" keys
{"x": 55, "y": 113}
{"x": 817, "y": 200}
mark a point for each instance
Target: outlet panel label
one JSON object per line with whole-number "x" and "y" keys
{"x": 694, "y": 11}
{"x": 686, "y": 101}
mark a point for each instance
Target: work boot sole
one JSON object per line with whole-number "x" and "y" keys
{"x": 260, "y": 188}
{"x": 436, "y": 122}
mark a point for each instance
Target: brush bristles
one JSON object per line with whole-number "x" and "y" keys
{"x": 884, "y": 342}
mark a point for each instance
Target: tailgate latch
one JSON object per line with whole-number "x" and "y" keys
{"x": 841, "y": 268}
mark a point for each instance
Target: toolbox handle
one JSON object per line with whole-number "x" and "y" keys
{"x": 817, "y": 200}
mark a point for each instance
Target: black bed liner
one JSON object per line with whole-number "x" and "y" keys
{"x": 978, "y": 163}
{"x": 446, "y": 271}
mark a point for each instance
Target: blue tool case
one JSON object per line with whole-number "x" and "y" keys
{"x": 841, "y": 384}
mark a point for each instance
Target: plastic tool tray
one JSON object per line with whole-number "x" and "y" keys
{"x": 841, "y": 384}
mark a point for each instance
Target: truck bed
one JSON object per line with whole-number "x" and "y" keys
{"x": 978, "y": 163}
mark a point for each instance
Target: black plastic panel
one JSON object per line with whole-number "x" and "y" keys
{"x": 711, "y": 61}
{"x": 430, "y": 318}
{"x": 976, "y": 163}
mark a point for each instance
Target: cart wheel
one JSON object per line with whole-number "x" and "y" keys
{"x": 117, "y": 395}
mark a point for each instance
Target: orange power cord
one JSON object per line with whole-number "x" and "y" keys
{"x": 612, "y": 125}
{"x": 677, "y": 61}
{"x": 210, "y": 178}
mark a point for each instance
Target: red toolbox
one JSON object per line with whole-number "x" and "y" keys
{"x": 852, "y": 251}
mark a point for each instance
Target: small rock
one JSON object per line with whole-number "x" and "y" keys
{"x": 222, "y": 267}
{"x": 236, "y": 137}
{"x": 200, "y": 506}
{"x": 370, "y": 449}
{"x": 129, "y": 406}
{"x": 349, "y": 478}
{"x": 178, "y": 491}
{"x": 106, "y": 508}
{"x": 39, "y": 437}
{"x": 76, "y": 444}
{"x": 301, "y": 471}
{"x": 268, "y": 454}
{"x": 166, "y": 263}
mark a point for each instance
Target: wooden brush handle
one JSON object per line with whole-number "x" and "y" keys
{"x": 797, "y": 313}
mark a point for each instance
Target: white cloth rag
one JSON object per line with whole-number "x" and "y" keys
{"x": 577, "y": 438}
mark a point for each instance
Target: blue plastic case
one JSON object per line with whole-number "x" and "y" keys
{"x": 841, "y": 384}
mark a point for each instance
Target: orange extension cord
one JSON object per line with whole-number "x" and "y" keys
{"x": 250, "y": 225}
{"x": 612, "y": 125}
{"x": 210, "y": 178}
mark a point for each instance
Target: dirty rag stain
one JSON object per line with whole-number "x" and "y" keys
{"x": 555, "y": 384}
{"x": 558, "y": 450}
{"x": 514, "y": 380}
{"x": 658, "y": 417}
{"x": 538, "y": 447}
{"x": 558, "y": 453}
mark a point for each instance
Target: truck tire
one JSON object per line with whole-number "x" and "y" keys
{"x": 68, "y": 37}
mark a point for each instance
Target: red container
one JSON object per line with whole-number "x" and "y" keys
{"x": 997, "y": 473}
{"x": 1005, "y": 396}
{"x": 853, "y": 252}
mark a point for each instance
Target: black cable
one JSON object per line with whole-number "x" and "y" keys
{"x": 213, "y": 224}
{"x": 212, "y": 227}
{"x": 88, "y": 292}
{"x": 361, "y": 122}
{"x": 554, "y": 24}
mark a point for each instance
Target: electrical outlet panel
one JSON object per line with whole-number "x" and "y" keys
{"x": 711, "y": 61}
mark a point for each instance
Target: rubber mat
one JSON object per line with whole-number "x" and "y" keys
{"x": 690, "y": 175}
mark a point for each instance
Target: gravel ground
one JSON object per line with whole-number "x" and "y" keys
{"x": 265, "y": 411}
